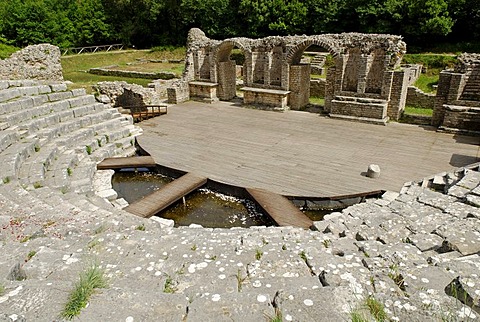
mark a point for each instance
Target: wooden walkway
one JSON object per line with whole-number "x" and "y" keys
{"x": 299, "y": 153}
{"x": 126, "y": 162}
{"x": 282, "y": 210}
{"x": 165, "y": 196}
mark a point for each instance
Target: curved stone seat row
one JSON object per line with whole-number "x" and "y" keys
{"x": 406, "y": 249}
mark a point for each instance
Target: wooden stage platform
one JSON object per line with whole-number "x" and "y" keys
{"x": 299, "y": 153}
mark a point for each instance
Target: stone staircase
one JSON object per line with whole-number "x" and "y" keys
{"x": 404, "y": 249}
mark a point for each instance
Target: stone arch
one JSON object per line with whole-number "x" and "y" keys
{"x": 223, "y": 51}
{"x": 226, "y": 68}
{"x": 294, "y": 55}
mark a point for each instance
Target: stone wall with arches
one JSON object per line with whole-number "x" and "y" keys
{"x": 359, "y": 84}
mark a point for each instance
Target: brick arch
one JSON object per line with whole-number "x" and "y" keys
{"x": 295, "y": 54}
{"x": 223, "y": 51}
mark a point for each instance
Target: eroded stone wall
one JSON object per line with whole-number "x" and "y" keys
{"x": 457, "y": 104}
{"x": 40, "y": 62}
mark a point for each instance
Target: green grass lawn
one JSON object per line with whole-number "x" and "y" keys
{"x": 317, "y": 100}
{"x": 418, "y": 111}
{"x": 75, "y": 67}
{"x": 426, "y": 81}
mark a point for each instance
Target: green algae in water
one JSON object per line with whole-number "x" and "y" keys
{"x": 317, "y": 214}
{"x": 133, "y": 186}
{"x": 215, "y": 210}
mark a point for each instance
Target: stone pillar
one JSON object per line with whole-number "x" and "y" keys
{"x": 330, "y": 88}
{"x": 267, "y": 67}
{"x": 226, "y": 80}
{"x": 441, "y": 98}
{"x": 299, "y": 86}
{"x": 362, "y": 74}
{"x": 286, "y": 76}
{"x": 248, "y": 69}
{"x": 398, "y": 94}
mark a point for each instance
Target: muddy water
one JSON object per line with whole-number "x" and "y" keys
{"x": 210, "y": 209}
{"x": 202, "y": 207}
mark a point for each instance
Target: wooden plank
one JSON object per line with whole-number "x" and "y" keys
{"x": 127, "y": 162}
{"x": 167, "y": 195}
{"x": 282, "y": 210}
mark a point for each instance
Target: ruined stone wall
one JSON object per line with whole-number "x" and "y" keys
{"x": 458, "y": 95}
{"x": 179, "y": 92}
{"x": 359, "y": 108}
{"x": 41, "y": 62}
{"x": 317, "y": 87}
{"x": 123, "y": 94}
{"x": 461, "y": 118}
{"x": 418, "y": 98}
{"x": 299, "y": 86}
{"x": 398, "y": 94}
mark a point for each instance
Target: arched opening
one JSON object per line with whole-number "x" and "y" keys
{"x": 231, "y": 70}
{"x": 312, "y": 73}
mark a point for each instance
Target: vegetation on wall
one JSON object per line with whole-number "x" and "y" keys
{"x": 149, "y": 23}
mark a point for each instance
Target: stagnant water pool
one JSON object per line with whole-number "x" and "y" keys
{"x": 203, "y": 207}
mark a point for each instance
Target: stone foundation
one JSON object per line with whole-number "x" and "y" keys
{"x": 361, "y": 109}
{"x": 418, "y": 98}
{"x": 462, "y": 119}
{"x": 274, "y": 99}
{"x": 204, "y": 91}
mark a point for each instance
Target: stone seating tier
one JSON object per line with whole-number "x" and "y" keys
{"x": 404, "y": 249}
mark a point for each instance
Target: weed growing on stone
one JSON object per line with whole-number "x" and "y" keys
{"x": 140, "y": 227}
{"x": 6, "y": 180}
{"x": 69, "y": 172}
{"x": 240, "y": 280}
{"x": 357, "y": 317}
{"x": 88, "y": 148}
{"x": 376, "y": 309}
{"x": 258, "y": 254}
{"x": 92, "y": 244}
{"x": 169, "y": 286}
{"x": 264, "y": 241}
{"x": 90, "y": 280}
{"x": 100, "y": 229}
{"x": 25, "y": 239}
{"x": 31, "y": 254}
{"x": 326, "y": 243}
{"x": 303, "y": 256}
{"x": 37, "y": 148}
{"x": 277, "y": 318}
{"x": 2, "y": 289}
{"x": 369, "y": 305}
{"x": 194, "y": 247}
{"x": 37, "y": 185}
{"x": 284, "y": 247}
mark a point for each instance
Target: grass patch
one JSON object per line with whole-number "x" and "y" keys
{"x": 376, "y": 309}
{"x": 436, "y": 61}
{"x": 169, "y": 286}
{"x": 316, "y": 76}
{"x": 31, "y": 254}
{"x": 7, "y": 50}
{"x": 317, "y": 100}
{"x": 426, "y": 82}
{"x": 410, "y": 110}
{"x": 90, "y": 280}
{"x": 75, "y": 67}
